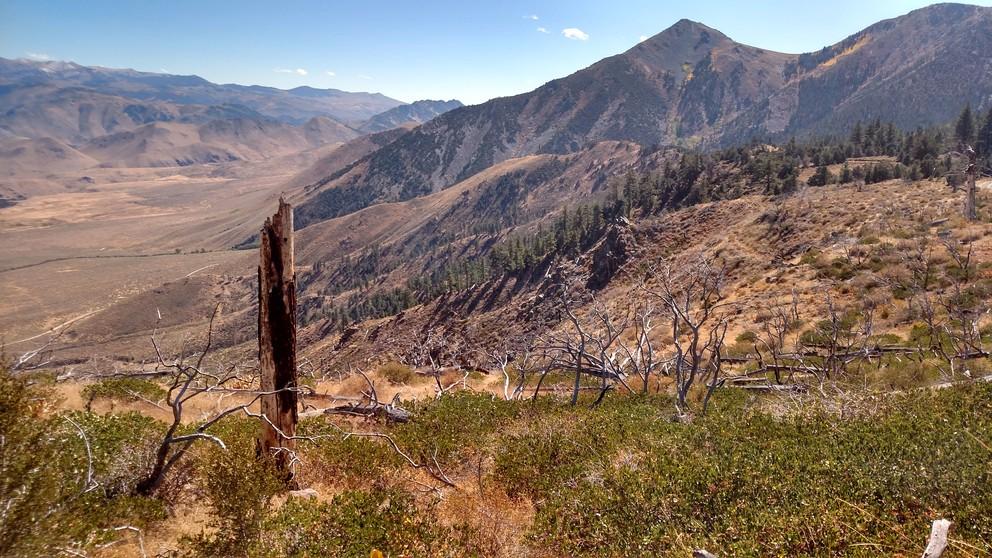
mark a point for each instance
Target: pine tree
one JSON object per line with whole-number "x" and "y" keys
{"x": 845, "y": 174}
{"x": 857, "y": 135}
{"x": 821, "y": 177}
{"x": 964, "y": 130}
{"x": 983, "y": 144}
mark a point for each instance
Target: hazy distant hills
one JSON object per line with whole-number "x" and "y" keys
{"x": 64, "y": 116}
{"x": 692, "y": 85}
{"x": 417, "y": 112}
{"x": 177, "y": 144}
{"x": 293, "y": 106}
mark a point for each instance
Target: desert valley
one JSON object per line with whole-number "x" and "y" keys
{"x": 699, "y": 298}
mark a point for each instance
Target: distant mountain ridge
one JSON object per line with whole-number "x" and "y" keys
{"x": 415, "y": 113}
{"x": 293, "y": 106}
{"x": 79, "y": 116}
{"x": 691, "y": 85}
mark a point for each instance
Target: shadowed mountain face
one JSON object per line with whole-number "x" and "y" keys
{"x": 692, "y": 85}
{"x": 417, "y": 112}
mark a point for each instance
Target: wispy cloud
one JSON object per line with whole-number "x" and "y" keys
{"x": 531, "y": 17}
{"x": 330, "y": 73}
{"x": 542, "y": 30}
{"x": 642, "y": 38}
{"x": 575, "y": 34}
{"x": 364, "y": 76}
{"x": 37, "y": 56}
{"x": 164, "y": 71}
{"x": 297, "y": 71}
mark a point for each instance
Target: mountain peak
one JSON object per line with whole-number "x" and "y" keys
{"x": 687, "y": 28}
{"x": 686, "y": 41}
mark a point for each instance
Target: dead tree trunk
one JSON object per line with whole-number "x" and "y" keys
{"x": 277, "y": 338}
{"x": 937, "y": 542}
{"x": 970, "y": 198}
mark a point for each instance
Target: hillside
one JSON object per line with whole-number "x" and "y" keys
{"x": 912, "y": 70}
{"x": 27, "y": 156}
{"x": 692, "y": 85}
{"x": 415, "y": 113}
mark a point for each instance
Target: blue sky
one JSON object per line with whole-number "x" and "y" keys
{"x": 469, "y": 50}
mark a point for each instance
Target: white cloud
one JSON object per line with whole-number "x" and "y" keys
{"x": 642, "y": 38}
{"x": 364, "y": 76}
{"x": 38, "y": 56}
{"x": 531, "y": 17}
{"x": 164, "y": 71}
{"x": 575, "y": 34}
{"x": 297, "y": 71}
{"x": 542, "y": 30}
{"x": 330, "y": 73}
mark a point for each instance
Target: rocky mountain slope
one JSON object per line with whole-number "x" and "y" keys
{"x": 692, "y": 85}
{"x": 914, "y": 70}
{"x": 416, "y": 112}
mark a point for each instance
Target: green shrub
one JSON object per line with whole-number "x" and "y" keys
{"x": 569, "y": 443}
{"x": 352, "y": 525}
{"x": 53, "y": 496}
{"x": 353, "y": 461}
{"x": 453, "y": 426}
{"x": 396, "y": 373}
{"x": 239, "y": 488}
{"x": 751, "y": 484}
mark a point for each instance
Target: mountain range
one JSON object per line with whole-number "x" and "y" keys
{"x": 294, "y": 106}
{"x": 81, "y": 116}
{"x": 691, "y": 85}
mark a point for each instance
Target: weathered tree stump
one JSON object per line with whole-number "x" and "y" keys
{"x": 971, "y": 195}
{"x": 277, "y": 338}
{"x": 937, "y": 542}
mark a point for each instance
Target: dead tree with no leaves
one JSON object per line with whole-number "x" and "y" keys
{"x": 187, "y": 379}
{"x": 692, "y": 295}
{"x": 971, "y": 194}
{"x": 586, "y": 351}
{"x": 277, "y": 338}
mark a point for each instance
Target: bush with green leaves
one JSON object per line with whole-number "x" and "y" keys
{"x": 453, "y": 427}
{"x": 747, "y": 483}
{"x": 353, "y": 524}
{"x": 65, "y": 478}
{"x": 396, "y": 373}
{"x": 238, "y": 487}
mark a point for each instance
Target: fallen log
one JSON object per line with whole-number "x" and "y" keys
{"x": 972, "y": 355}
{"x": 737, "y": 360}
{"x": 789, "y": 388}
{"x": 745, "y": 379}
{"x": 389, "y": 412}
